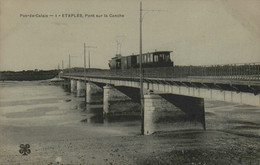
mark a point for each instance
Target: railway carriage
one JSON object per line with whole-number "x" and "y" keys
{"x": 115, "y": 63}
{"x": 149, "y": 60}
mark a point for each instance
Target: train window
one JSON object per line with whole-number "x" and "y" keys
{"x": 145, "y": 58}
{"x": 162, "y": 55}
{"x": 167, "y": 57}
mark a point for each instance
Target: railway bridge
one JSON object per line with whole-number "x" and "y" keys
{"x": 170, "y": 90}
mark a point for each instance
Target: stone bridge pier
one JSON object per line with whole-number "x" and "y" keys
{"x": 73, "y": 86}
{"x": 186, "y": 112}
{"x": 81, "y": 88}
{"x": 117, "y": 100}
{"x": 94, "y": 93}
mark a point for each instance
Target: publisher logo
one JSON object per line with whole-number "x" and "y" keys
{"x": 25, "y": 149}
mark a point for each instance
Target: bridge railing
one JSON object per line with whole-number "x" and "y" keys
{"x": 235, "y": 71}
{"x": 250, "y": 71}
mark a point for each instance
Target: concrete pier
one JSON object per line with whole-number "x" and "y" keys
{"x": 73, "y": 86}
{"x": 112, "y": 96}
{"x": 155, "y": 107}
{"x": 158, "y": 109}
{"x": 81, "y": 87}
{"x": 94, "y": 93}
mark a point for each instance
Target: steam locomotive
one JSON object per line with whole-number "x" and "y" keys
{"x": 149, "y": 60}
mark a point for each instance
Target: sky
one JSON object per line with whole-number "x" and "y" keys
{"x": 199, "y": 32}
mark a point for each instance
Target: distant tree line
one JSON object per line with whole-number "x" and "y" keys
{"x": 29, "y": 75}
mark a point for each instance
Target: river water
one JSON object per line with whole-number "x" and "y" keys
{"x": 60, "y": 128}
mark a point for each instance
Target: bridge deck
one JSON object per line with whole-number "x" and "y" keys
{"x": 197, "y": 79}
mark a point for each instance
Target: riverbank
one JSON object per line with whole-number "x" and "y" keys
{"x": 62, "y": 130}
{"x": 163, "y": 148}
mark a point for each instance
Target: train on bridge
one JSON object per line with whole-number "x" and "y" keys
{"x": 149, "y": 60}
{"x": 160, "y": 64}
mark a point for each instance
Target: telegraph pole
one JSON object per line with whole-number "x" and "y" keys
{"x": 89, "y": 59}
{"x": 88, "y": 53}
{"x": 141, "y": 69}
{"x": 85, "y": 72}
{"x": 85, "y": 76}
{"x": 69, "y": 64}
{"x": 69, "y": 61}
{"x": 119, "y": 43}
{"x": 141, "y": 75}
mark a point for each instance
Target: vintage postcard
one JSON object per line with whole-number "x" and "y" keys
{"x": 119, "y": 82}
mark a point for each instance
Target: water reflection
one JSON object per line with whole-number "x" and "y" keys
{"x": 94, "y": 114}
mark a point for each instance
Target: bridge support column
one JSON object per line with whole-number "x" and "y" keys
{"x": 66, "y": 84}
{"x": 158, "y": 110}
{"x": 94, "y": 93}
{"x": 80, "y": 88}
{"x": 73, "y": 86}
{"x": 115, "y": 101}
{"x": 155, "y": 107}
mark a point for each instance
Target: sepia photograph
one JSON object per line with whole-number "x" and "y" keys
{"x": 129, "y": 82}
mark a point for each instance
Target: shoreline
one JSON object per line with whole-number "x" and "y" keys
{"x": 52, "y": 122}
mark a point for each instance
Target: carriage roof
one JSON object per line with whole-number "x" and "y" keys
{"x": 155, "y": 52}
